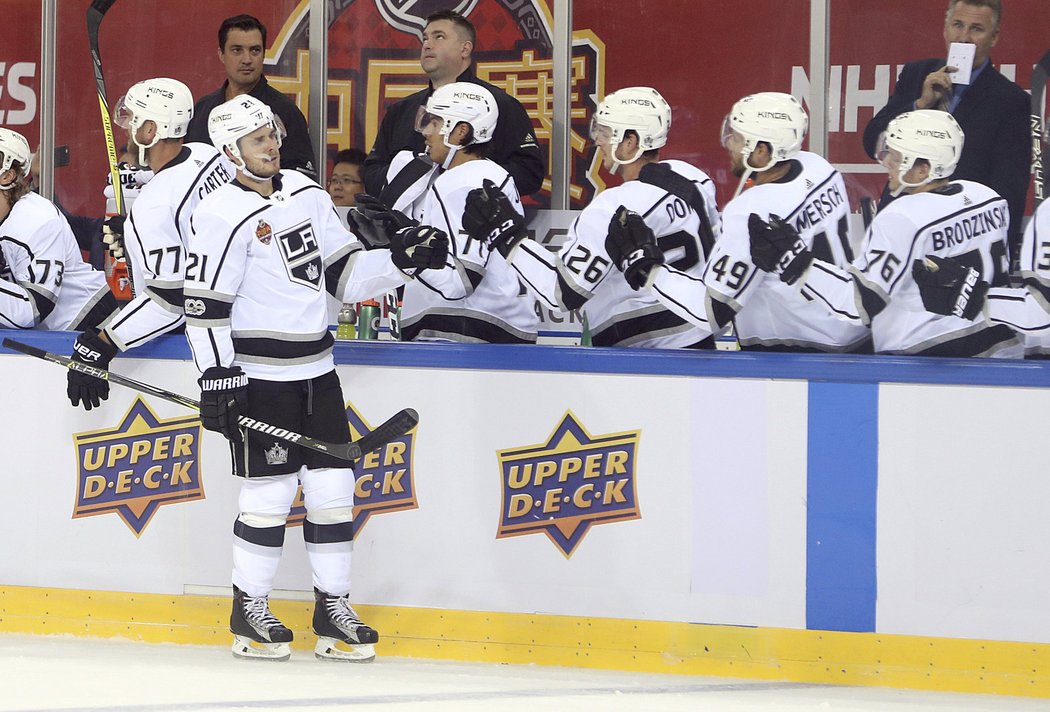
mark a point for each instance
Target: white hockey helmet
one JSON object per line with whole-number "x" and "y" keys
{"x": 771, "y": 117}
{"x": 168, "y": 103}
{"x": 928, "y": 134}
{"x": 638, "y": 109}
{"x": 463, "y": 102}
{"x": 238, "y": 117}
{"x": 14, "y": 149}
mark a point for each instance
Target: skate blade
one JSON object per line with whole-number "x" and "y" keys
{"x": 329, "y": 649}
{"x": 247, "y": 649}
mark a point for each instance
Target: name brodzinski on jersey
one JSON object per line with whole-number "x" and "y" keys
{"x": 967, "y": 228}
{"x": 819, "y": 207}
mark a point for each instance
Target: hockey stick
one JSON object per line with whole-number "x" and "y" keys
{"x": 1039, "y": 73}
{"x": 394, "y": 427}
{"x": 95, "y": 14}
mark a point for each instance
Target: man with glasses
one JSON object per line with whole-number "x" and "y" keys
{"x": 345, "y": 181}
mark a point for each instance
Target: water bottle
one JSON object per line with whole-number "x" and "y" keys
{"x": 346, "y": 318}
{"x": 392, "y": 312}
{"x": 368, "y": 320}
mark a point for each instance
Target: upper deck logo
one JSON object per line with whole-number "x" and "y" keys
{"x": 137, "y": 466}
{"x": 569, "y": 483}
{"x": 384, "y": 478}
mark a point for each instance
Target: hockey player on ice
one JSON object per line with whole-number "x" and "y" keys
{"x": 266, "y": 251}
{"x": 934, "y": 217}
{"x": 44, "y": 281}
{"x": 154, "y": 236}
{"x": 675, "y": 200}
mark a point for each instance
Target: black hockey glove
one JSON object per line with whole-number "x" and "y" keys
{"x": 777, "y": 248}
{"x": 418, "y": 248}
{"x": 82, "y": 388}
{"x": 948, "y": 287}
{"x": 113, "y": 236}
{"x": 374, "y": 223}
{"x": 490, "y": 218}
{"x": 224, "y": 399}
{"x": 633, "y": 249}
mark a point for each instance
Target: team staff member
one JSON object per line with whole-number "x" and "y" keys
{"x": 448, "y": 43}
{"x": 242, "y": 47}
{"x": 153, "y": 238}
{"x": 266, "y": 252}
{"x": 992, "y": 110}
{"x": 935, "y": 216}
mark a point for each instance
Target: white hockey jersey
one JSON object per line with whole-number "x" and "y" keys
{"x": 156, "y": 235}
{"x": 766, "y": 312}
{"x": 477, "y": 298}
{"x": 259, "y": 274}
{"x": 1026, "y": 310}
{"x": 44, "y": 281}
{"x": 582, "y": 275}
{"x": 963, "y": 220}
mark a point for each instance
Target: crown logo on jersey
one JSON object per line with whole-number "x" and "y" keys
{"x": 277, "y": 455}
{"x": 566, "y": 485}
{"x": 312, "y": 272}
{"x": 264, "y": 232}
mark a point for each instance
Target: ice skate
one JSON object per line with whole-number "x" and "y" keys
{"x": 257, "y": 634}
{"x": 341, "y": 634}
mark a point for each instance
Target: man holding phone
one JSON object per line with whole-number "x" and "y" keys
{"x": 991, "y": 109}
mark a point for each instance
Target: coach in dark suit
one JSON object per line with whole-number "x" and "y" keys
{"x": 446, "y": 57}
{"x": 992, "y": 110}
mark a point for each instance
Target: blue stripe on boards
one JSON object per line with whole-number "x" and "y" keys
{"x": 842, "y": 485}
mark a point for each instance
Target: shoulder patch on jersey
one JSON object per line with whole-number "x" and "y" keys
{"x": 264, "y": 232}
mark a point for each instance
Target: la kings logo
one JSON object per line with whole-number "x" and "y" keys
{"x": 302, "y": 255}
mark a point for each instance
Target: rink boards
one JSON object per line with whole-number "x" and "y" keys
{"x": 833, "y": 519}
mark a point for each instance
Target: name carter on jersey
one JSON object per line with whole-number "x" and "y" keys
{"x": 970, "y": 227}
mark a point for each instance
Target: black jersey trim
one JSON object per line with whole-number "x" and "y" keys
{"x": 193, "y": 184}
{"x": 105, "y": 307}
{"x": 973, "y": 344}
{"x": 467, "y": 327}
{"x": 229, "y": 243}
{"x": 279, "y": 349}
{"x": 629, "y": 329}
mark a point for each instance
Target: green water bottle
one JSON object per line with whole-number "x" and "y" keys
{"x": 347, "y": 317}
{"x": 368, "y": 320}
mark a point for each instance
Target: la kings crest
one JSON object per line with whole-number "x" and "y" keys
{"x": 301, "y": 254}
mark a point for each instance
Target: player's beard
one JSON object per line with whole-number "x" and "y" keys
{"x": 261, "y": 166}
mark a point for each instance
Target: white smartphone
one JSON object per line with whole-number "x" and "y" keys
{"x": 960, "y": 56}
